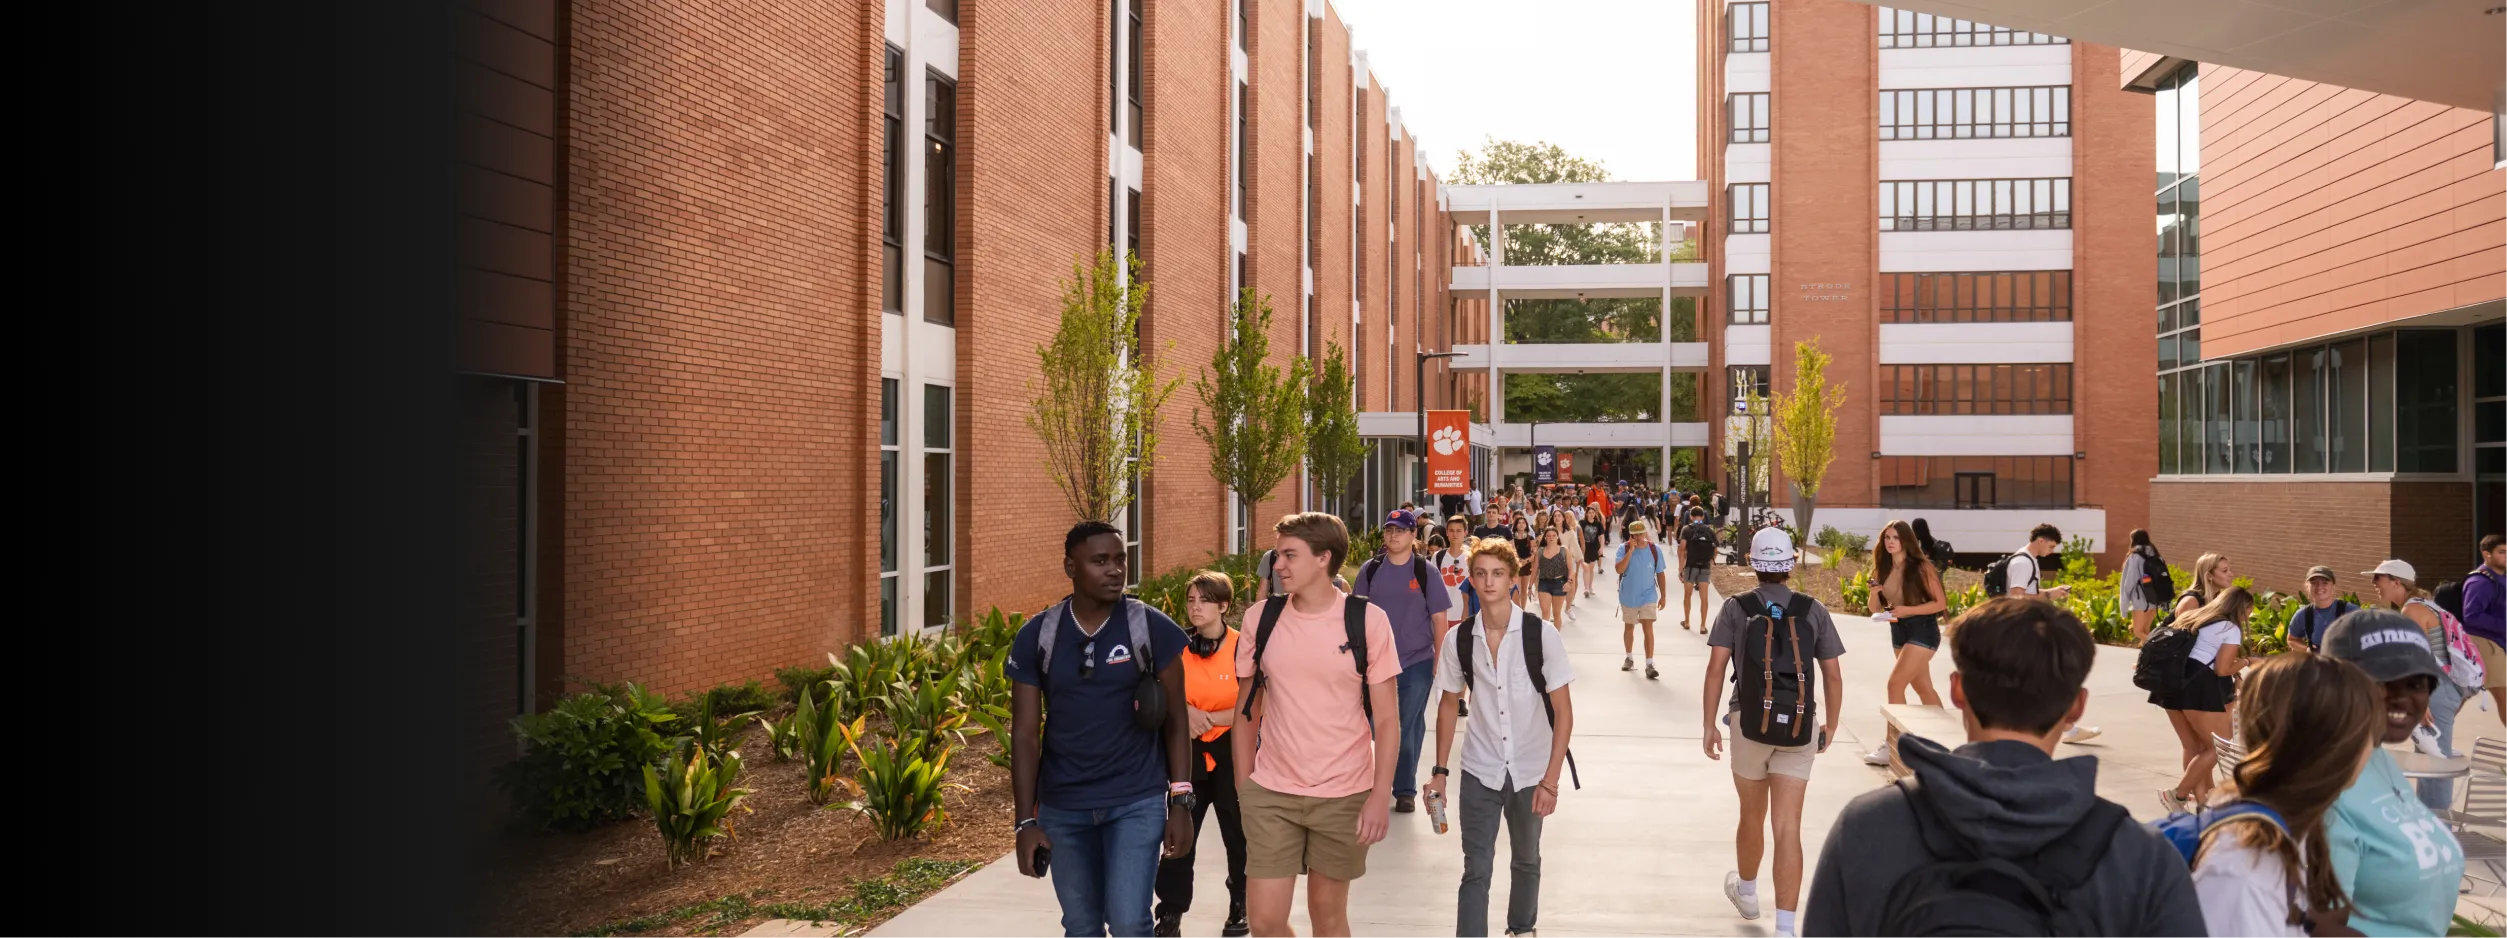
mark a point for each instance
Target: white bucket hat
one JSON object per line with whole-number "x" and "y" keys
{"x": 2394, "y": 568}
{"x": 1771, "y": 551}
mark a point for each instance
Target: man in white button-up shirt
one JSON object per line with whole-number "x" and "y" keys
{"x": 1511, "y": 755}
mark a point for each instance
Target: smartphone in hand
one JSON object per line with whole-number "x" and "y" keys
{"x": 1042, "y": 860}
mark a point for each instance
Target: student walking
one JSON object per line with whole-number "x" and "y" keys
{"x": 2022, "y": 576}
{"x": 1109, "y": 782}
{"x": 1413, "y": 598}
{"x": 1697, "y": 553}
{"x": 1907, "y": 594}
{"x": 1453, "y": 565}
{"x": 2324, "y": 606}
{"x": 1593, "y": 526}
{"x": 1642, "y": 583}
{"x": 1570, "y": 537}
{"x": 1210, "y": 709}
{"x": 2397, "y": 588}
{"x": 2142, "y": 585}
{"x": 2197, "y": 702}
{"x": 1553, "y": 563}
{"x": 1319, "y": 734}
{"x": 1513, "y": 752}
{"x": 1767, "y": 640}
{"x": 1897, "y": 858}
{"x": 2396, "y": 859}
{"x": 2485, "y": 615}
{"x": 2263, "y": 863}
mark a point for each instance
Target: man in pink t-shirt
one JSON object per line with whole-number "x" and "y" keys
{"x": 1314, "y": 779}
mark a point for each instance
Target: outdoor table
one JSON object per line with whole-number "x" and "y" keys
{"x": 2417, "y": 764}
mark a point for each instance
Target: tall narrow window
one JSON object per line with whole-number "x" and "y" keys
{"x": 1748, "y": 112}
{"x": 1748, "y": 206}
{"x": 1131, "y": 128}
{"x": 888, "y": 506}
{"x": 938, "y": 423}
{"x": 892, "y": 188}
{"x": 1745, "y": 24}
{"x": 1244, "y": 23}
{"x": 1745, "y": 296}
{"x": 1244, "y": 148}
{"x": 939, "y": 199}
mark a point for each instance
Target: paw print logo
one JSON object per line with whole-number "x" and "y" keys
{"x": 1448, "y": 441}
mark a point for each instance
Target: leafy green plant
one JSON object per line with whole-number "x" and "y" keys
{"x": 821, "y": 734}
{"x": 2470, "y": 929}
{"x": 692, "y": 795}
{"x": 928, "y": 712}
{"x": 583, "y": 759}
{"x": 1960, "y": 601}
{"x": 1840, "y": 543}
{"x": 783, "y": 738}
{"x": 900, "y": 785}
{"x": 712, "y": 734}
{"x": 797, "y": 680}
{"x": 1858, "y": 588}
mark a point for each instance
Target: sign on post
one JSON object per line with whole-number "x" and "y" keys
{"x": 1449, "y": 452}
{"x": 1566, "y": 467}
{"x": 1544, "y": 465}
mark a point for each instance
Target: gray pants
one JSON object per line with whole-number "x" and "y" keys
{"x": 1480, "y": 807}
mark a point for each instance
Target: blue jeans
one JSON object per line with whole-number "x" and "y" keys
{"x": 2444, "y": 703}
{"x": 1105, "y": 864}
{"x": 1411, "y": 692}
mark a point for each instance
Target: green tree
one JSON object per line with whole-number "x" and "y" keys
{"x": 1335, "y": 453}
{"x": 1252, "y": 412}
{"x": 1805, "y": 419}
{"x": 1586, "y": 398}
{"x": 1096, "y": 406}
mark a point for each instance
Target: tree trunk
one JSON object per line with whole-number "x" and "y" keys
{"x": 1802, "y": 507}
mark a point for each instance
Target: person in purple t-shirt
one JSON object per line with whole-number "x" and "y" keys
{"x": 1411, "y": 593}
{"x": 2485, "y": 614}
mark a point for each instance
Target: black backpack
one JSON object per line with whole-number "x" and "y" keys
{"x": 1353, "y": 620}
{"x": 1533, "y": 654}
{"x": 1773, "y": 638}
{"x": 2160, "y": 667}
{"x": 2449, "y": 595}
{"x": 1701, "y": 543}
{"x": 1960, "y": 891}
{"x": 2160, "y": 586}
{"x": 1998, "y": 577}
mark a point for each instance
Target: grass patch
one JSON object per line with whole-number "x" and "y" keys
{"x": 911, "y": 880}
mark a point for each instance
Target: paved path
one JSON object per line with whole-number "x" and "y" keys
{"x": 1643, "y": 847}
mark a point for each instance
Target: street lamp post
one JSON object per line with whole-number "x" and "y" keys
{"x": 1419, "y": 396}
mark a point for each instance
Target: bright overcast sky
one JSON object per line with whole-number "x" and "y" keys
{"x": 1609, "y": 80}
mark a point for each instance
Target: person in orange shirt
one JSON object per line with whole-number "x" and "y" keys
{"x": 1210, "y": 701}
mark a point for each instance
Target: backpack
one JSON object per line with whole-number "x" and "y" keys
{"x": 1701, "y": 541}
{"x": 1148, "y": 697}
{"x": 1269, "y": 566}
{"x": 2317, "y": 621}
{"x": 1418, "y": 574}
{"x": 1960, "y": 891}
{"x": 1785, "y": 707}
{"x": 2160, "y": 667}
{"x": 2157, "y": 584}
{"x": 1353, "y": 620}
{"x": 2459, "y": 659}
{"x": 2184, "y": 830}
{"x": 2449, "y": 595}
{"x": 1998, "y": 577}
{"x": 1530, "y": 635}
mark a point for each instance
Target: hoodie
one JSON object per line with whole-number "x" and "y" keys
{"x": 2011, "y": 800}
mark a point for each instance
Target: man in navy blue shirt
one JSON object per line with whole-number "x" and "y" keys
{"x": 1101, "y": 788}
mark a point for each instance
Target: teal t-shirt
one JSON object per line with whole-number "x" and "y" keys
{"x": 1636, "y": 585}
{"x": 2398, "y": 861}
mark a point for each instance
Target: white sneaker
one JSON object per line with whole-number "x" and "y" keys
{"x": 2079, "y": 733}
{"x": 2424, "y": 738}
{"x": 1878, "y": 756}
{"x": 1732, "y": 890}
{"x": 1571, "y": 613}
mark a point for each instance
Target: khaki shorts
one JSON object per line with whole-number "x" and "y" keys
{"x": 1632, "y": 615}
{"x": 1755, "y": 760}
{"x": 1290, "y": 834}
{"x": 2493, "y": 661}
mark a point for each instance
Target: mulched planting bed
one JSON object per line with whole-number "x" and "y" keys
{"x": 790, "y": 856}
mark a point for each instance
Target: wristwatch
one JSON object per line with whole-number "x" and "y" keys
{"x": 1022, "y": 826}
{"x": 1440, "y": 770}
{"x": 1180, "y": 800}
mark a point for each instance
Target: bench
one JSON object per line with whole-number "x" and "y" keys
{"x": 1938, "y": 724}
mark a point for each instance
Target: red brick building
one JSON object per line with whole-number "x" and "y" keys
{"x": 754, "y": 292}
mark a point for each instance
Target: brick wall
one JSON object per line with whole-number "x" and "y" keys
{"x": 1824, "y": 223}
{"x": 2273, "y": 531}
{"x": 720, "y": 348}
{"x": 2327, "y": 209}
{"x": 1272, "y": 233}
{"x": 2115, "y": 286}
{"x": 1185, "y": 160}
{"x": 1331, "y": 177}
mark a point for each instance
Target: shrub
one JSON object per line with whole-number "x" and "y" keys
{"x": 991, "y": 634}
{"x": 713, "y": 735}
{"x": 928, "y": 712}
{"x": 584, "y": 758}
{"x": 1858, "y": 588}
{"x": 820, "y": 734}
{"x": 1835, "y": 541}
{"x": 797, "y": 680}
{"x": 783, "y": 739}
{"x": 899, "y": 787}
{"x": 1960, "y": 601}
{"x": 692, "y": 796}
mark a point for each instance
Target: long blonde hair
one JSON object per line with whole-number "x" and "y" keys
{"x": 2202, "y": 575}
{"x": 2309, "y": 721}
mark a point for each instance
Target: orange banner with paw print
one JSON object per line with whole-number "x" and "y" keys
{"x": 1449, "y": 452}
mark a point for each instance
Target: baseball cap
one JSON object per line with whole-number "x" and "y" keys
{"x": 1639, "y": 526}
{"x": 1771, "y": 551}
{"x": 2394, "y": 568}
{"x": 1402, "y": 518}
{"x": 2386, "y": 644}
{"x": 2320, "y": 572}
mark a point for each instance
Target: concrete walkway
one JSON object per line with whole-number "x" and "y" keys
{"x": 1643, "y": 847}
